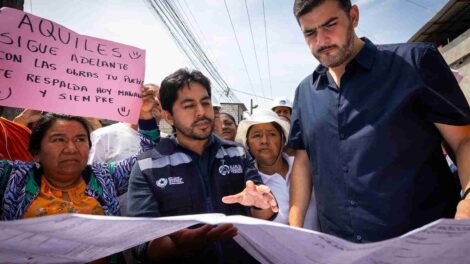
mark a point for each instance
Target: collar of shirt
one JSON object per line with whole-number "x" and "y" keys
{"x": 364, "y": 58}
{"x": 211, "y": 145}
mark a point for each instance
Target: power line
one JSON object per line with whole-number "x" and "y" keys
{"x": 240, "y": 50}
{"x": 198, "y": 29}
{"x": 246, "y": 93}
{"x": 174, "y": 21}
{"x": 418, "y": 4}
{"x": 267, "y": 51}
{"x": 202, "y": 38}
{"x": 254, "y": 48}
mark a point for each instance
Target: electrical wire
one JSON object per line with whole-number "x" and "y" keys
{"x": 254, "y": 48}
{"x": 267, "y": 52}
{"x": 240, "y": 50}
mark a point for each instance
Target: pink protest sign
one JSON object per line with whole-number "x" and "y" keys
{"x": 45, "y": 66}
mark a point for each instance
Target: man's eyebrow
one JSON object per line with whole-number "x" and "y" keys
{"x": 329, "y": 21}
{"x": 333, "y": 19}
{"x": 187, "y": 100}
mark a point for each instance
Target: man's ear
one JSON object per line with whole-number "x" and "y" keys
{"x": 354, "y": 15}
{"x": 168, "y": 117}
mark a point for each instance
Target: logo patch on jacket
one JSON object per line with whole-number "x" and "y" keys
{"x": 163, "y": 182}
{"x": 226, "y": 169}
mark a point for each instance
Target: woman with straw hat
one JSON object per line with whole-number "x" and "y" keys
{"x": 265, "y": 134}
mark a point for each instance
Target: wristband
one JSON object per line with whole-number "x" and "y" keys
{"x": 465, "y": 193}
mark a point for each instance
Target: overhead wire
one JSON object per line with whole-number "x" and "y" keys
{"x": 240, "y": 50}
{"x": 267, "y": 52}
{"x": 254, "y": 48}
{"x": 202, "y": 39}
{"x": 183, "y": 35}
{"x": 163, "y": 17}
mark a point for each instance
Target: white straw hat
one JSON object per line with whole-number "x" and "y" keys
{"x": 261, "y": 116}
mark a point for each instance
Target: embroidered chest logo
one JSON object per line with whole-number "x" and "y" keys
{"x": 163, "y": 182}
{"x": 226, "y": 169}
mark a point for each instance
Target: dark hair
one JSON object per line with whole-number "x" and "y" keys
{"x": 229, "y": 116}
{"x": 177, "y": 81}
{"x": 302, "y": 7}
{"x": 45, "y": 123}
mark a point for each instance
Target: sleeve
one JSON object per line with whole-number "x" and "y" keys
{"x": 140, "y": 203}
{"x": 150, "y": 130}
{"x": 121, "y": 170}
{"x": 5, "y": 168}
{"x": 295, "y": 134}
{"x": 441, "y": 97}
{"x": 99, "y": 145}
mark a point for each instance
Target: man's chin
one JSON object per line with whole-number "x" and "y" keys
{"x": 203, "y": 135}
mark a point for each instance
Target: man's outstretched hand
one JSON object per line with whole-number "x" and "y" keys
{"x": 259, "y": 196}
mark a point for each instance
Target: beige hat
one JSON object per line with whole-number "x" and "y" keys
{"x": 261, "y": 116}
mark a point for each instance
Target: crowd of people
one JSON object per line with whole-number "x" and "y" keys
{"x": 358, "y": 154}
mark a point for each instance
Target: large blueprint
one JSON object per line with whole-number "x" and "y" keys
{"x": 74, "y": 238}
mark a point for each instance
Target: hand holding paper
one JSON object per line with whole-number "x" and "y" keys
{"x": 148, "y": 102}
{"x": 463, "y": 209}
{"x": 192, "y": 239}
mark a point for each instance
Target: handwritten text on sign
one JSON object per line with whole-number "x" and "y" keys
{"x": 45, "y": 66}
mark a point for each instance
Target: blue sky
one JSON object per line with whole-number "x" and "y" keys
{"x": 132, "y": 22}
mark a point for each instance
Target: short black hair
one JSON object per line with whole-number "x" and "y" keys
{"x": 45, "y": 123}
{"x": 302, "y": 7}
{"x": 177, "y": 81}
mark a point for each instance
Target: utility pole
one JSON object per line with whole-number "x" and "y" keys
{"x": 252, "y": 106}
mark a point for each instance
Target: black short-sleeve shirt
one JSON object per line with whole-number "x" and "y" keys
{"x": 377, "y": 165}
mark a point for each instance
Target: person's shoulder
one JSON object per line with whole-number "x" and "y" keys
{"x": 231, "y": 149}
{"x": 165, "y": 147}
{"x": 407, "y": 49}
{"x": 307, "y": 81}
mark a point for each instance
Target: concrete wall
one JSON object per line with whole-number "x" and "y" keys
{"x": 457, "y": 55}
{"x": 233, "y": 109}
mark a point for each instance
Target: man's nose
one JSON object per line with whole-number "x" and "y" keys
{"x": 322, "y": 38}
{"x": 200, "y": 111}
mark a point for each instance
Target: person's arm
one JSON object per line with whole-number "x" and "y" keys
{"x": 300, "y": 189}
{"x": 120, "y": 171}
{"x": 28, "y": 116}
{"x": 187, "y": 241}
{"x": 5, "y": 168}
{"x": 254, "y": 192}
{"x": 458, "y": 138}
{"x": 258, "y": 196}
{"x": 142, "y": 203}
